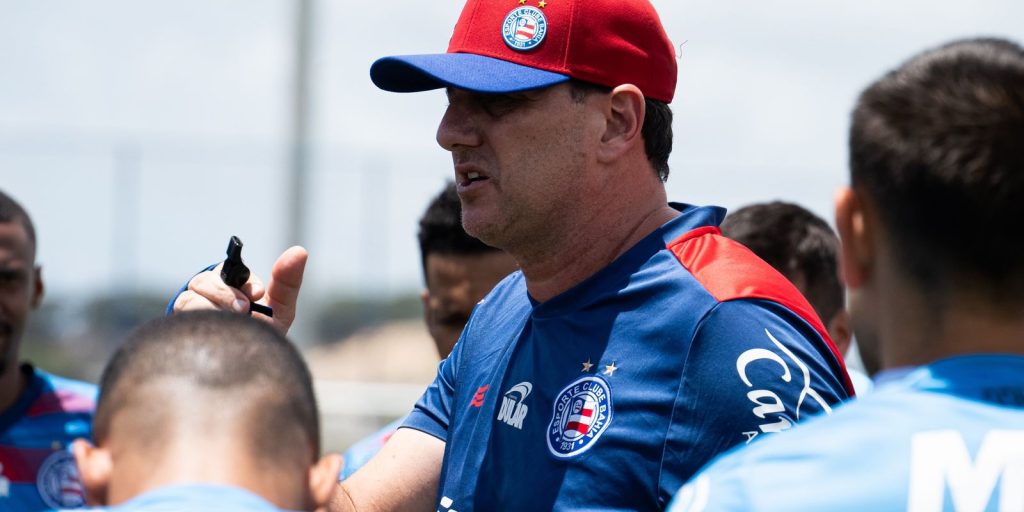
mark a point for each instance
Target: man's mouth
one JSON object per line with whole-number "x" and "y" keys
{"x": 472, "y": 177}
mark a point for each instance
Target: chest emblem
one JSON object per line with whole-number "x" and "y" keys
{"x": 581, "y": 413}
{"x": 58, "y": 481}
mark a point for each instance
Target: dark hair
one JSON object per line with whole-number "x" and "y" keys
{"x": 938, "y": 146}
{"x": 248, "y": 363}
{"x": 11, "y": 210}
{"x": 441, "y": 230}
{"x": 656, "y": 131}
{"x": 798, "y": 244}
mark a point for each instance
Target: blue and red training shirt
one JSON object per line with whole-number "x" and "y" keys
{"x": 612, "y": 394}
{"x": 37, "y": 471}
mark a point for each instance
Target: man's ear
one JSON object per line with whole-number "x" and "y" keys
{"x": 623, "y": 124}
{"x": 840, "y": 331}
{"x": 425, "y": 299}
{"x": 39, "y": 289}
{"x": 323, "y": 478}
{"x": 856, "y": 252}
{"x": 95, "y": 466}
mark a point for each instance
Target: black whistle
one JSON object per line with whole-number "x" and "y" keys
{"x": 234, "y": 273}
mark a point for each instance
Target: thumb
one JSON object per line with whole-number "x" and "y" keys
{"x": 283, "y": 288}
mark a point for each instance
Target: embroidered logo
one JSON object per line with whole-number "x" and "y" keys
{"x": 478, "y": 398}
{"x": 58, "y": 481}
{"x": 581, "y": 413}
{"x": 524, "y": 28}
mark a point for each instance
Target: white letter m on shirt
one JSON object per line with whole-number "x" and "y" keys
{"x": 939, "y": 460}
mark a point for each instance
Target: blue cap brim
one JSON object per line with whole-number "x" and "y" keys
{"x": 477, "y": 73}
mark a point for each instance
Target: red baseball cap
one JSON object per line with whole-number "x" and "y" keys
{"x": 503, "y": 46}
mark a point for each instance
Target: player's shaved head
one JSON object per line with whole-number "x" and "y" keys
{"x": 210, "y": 374}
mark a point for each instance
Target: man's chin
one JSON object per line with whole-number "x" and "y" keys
{"x": 477, "y": 226}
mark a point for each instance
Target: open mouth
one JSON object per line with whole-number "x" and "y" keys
{"x": 473, "y": 177}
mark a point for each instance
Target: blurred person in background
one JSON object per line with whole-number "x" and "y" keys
{"x": 802, "y": 247}
{"x": 40, "y": 414}
{"x": 932, "y": 238}
{"x": 635, "y": 343}
{"x": 458, "y": 271}
{"x": 206, "y": 411}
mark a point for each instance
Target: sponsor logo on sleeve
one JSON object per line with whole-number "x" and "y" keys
{"x": 581, "y": 413}
{"x": 768, "y": 405}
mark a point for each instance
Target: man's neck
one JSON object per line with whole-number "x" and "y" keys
{"x": 200, "y": 461}
{"x": 12, "y": 385}
{"x": 582, "y": 253}
{"x": 921, "y": 334}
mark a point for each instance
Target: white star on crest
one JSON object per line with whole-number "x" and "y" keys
{"x": 587, "y": 365}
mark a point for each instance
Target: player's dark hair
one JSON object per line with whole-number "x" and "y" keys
{"x": 441, "y": 230}
{"x": 243, "y": 363}
{"x": 11, "y": 210}
{"x": 798, "y": 244}
{"x": 938, "y": 146}
{"x": 656, "y": 131}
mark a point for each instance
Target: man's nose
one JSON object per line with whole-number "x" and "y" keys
{"x": 457, "y": 129}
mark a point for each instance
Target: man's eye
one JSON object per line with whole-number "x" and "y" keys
{"x": 500, "y": 104}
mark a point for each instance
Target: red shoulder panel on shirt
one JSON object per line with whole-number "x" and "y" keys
{"x": 730, "y": 271}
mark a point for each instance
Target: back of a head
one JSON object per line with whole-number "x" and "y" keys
{"x": 937, "y": 145}
{"x": 210, "y": 372}
{"x": 797, "y": 243}
{"x": 441, "y": 230}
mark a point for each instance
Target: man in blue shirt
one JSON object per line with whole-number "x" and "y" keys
{"x": 206, "y": 411}
{"x": 40, "y": 414}
{"x": 636, "y": 342}
{"x": 932, "y": 237}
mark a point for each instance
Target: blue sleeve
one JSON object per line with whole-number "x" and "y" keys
{"x": 754, "y": 368}
{"x": 170, "y": 305}
{"x": 433, "y": 411}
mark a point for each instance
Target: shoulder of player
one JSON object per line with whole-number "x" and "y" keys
{"x": 811, "y": 449}
{"x": 729, "y": 271}
{"x": 879, "y": 418}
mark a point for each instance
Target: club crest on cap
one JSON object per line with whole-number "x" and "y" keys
{"x": 524, "y": 28}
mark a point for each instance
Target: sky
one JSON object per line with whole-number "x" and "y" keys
{"x": 142, "y": 135}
